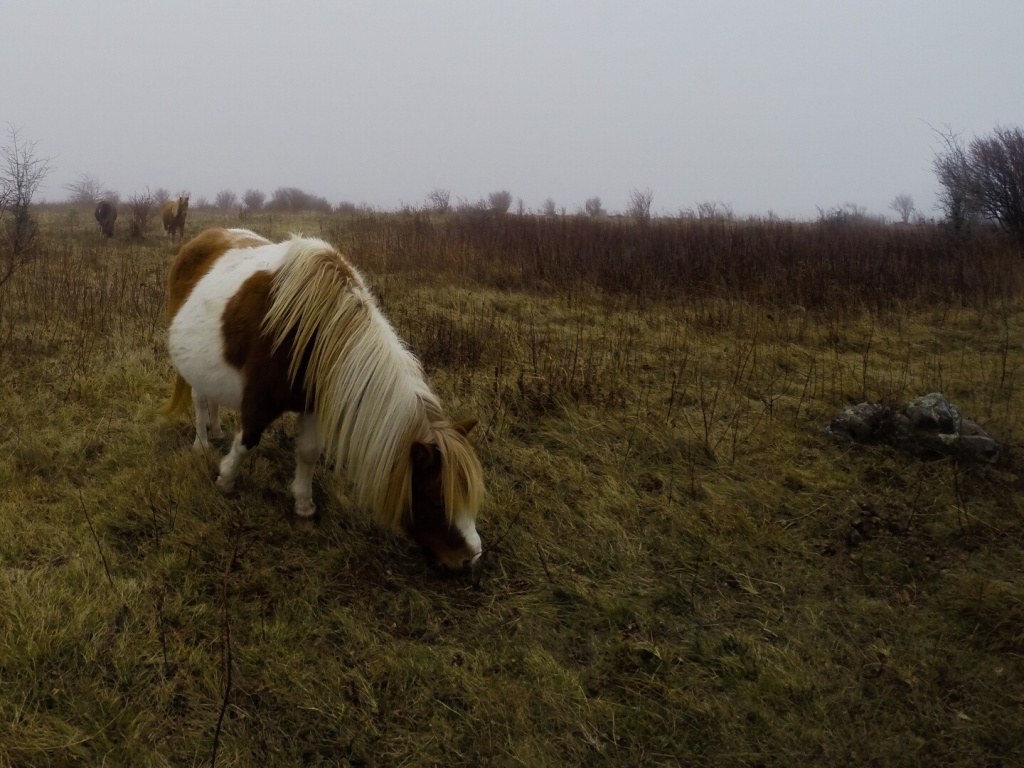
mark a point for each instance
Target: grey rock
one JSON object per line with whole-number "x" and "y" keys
{"x": 927, "y": 426}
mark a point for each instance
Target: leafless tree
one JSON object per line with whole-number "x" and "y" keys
{"x": 161, "y": 195}
{"x": 226, "y": 200}
{"x": 500, "y": 201}
{"x": 639, "y": 206}
{"x": 21, "y": 173}
{"x": 953, "y": 172}
{"x": 593, "y": 207}
{"x": 439, "y": 200}
{"x": 904, "y": 206}
{"x": 996, "y": 171}
{"x": 253, "y": 199}
{"x": 548, "y": 207}
{"x": 87, "y": 190}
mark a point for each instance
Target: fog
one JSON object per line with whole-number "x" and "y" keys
{"x": 779, "y": 107}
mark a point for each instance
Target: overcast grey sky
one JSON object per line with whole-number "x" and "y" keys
{"x": 781, "y": 106}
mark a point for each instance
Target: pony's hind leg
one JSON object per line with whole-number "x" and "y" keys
{"x": 215, "y": 431}
{"x": 307, "y": 450}
{"x": 202, "y": 441}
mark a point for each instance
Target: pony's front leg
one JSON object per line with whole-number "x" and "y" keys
{"x": 230, "y": 463}
{"x": 307, "y": 450}
{"x": 254, "y": 420}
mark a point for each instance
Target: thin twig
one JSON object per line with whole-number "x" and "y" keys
{"x": 96, "y": 538}
{"x": 696, "y": 570}
{"x": 544, "y": 563}
{"x": 161, "y": 627}
{"x": 228, "y": 661}
{"x": 494, "y": 546}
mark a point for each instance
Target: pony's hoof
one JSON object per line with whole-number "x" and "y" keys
{"x": 305, "y": 508}
{"x": 225, "y": 486}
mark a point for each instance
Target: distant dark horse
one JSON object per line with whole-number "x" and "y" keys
{"x": 106, "y": 215}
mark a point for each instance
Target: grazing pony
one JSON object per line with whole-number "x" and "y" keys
{"x": 106, "y": 215}
{"x": 173, "y": 213}
{"x": 274, "y": 327}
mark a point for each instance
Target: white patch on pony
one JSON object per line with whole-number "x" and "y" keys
{"x": 247, "y": 233}
{"x": 196, "y": 338}
{"x": 467, "y": 528}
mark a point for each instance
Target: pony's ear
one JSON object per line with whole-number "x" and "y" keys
{"x": 465, "y": 426}
{"x": 423, "y": 455}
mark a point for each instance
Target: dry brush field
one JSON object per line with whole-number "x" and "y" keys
{"x": 686, "y": 569}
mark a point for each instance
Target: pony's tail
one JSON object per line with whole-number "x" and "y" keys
{"x": 180, "y": 397}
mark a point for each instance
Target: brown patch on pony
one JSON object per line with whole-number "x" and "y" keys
{"x": 194, "y": 260}
{"x": 268, "y": 391}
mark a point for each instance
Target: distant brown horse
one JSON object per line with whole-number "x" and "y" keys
{"x": 106, "y": 215}
{"x": 173, "y": 214}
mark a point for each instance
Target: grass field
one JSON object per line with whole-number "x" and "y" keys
{"x": 687, "y": 571}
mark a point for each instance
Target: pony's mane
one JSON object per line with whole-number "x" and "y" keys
{"x": 367, "y": 390}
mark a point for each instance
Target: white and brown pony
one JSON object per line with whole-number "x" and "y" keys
{"x": 273, "y": 327}
{"x": 173, "y": 214}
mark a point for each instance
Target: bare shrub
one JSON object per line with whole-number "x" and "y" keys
{"x": 253, "y": 200}
{"x": 21, "y": 173}
{"x": 161, "y": 195}
{"x": 141, "y": 208}
{"x": 548, "y": 207}
{"x": 499, "y": 202}
{"x": 439, "y": 200}
{"x": 468, "y": 208}
{"x": 639, "y": 205}
{"x": 226, "y": 200}
{"x": 593, "y": 207}
{"x": 292, "y": 199}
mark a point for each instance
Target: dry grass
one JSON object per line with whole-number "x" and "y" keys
{"x": 690, "y": 572}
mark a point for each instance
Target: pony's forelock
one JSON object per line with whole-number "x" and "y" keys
{"x": 462, "y": 475}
